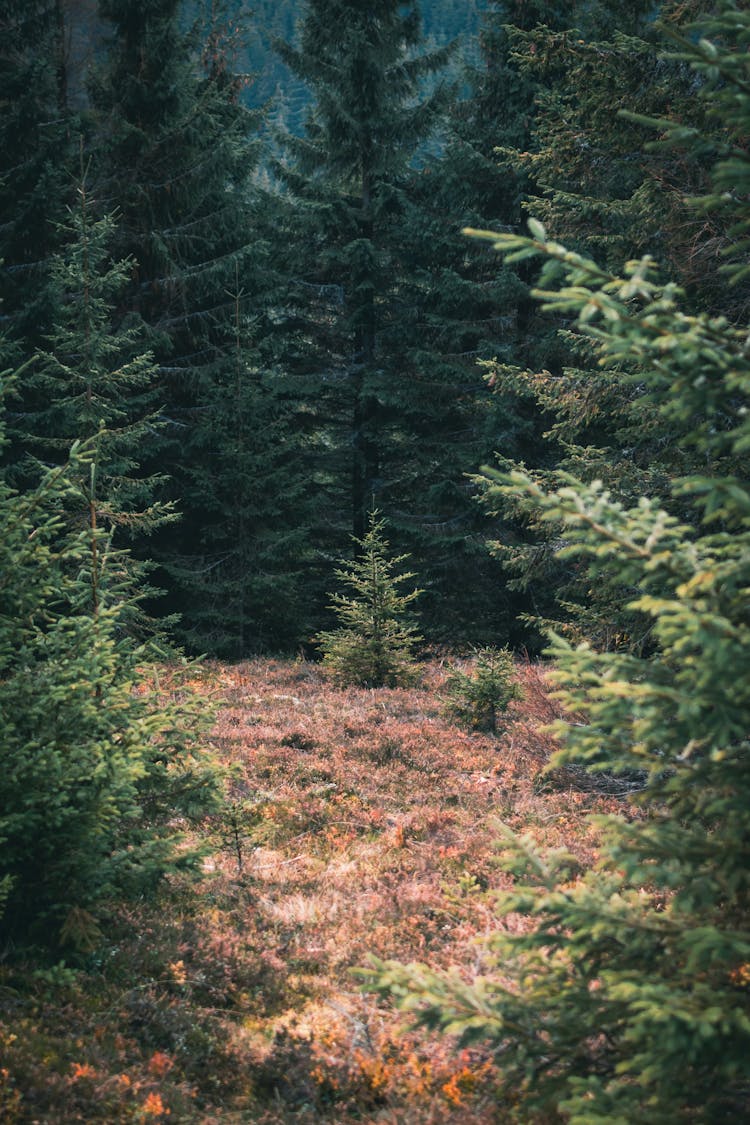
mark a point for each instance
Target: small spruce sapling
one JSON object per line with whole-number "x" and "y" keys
{"x": 374, "y": 645}
{"x": 481, "y": 698}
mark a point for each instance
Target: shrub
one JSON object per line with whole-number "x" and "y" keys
{"x": 481, "y": 697}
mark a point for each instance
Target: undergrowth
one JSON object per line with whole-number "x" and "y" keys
{"x": 356, "y": 822}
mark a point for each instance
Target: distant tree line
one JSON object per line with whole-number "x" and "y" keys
{"x": 272, "y": 337}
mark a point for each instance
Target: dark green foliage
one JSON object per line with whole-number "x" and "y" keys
{"x": 481, "y": 697}
{"x": 93, "y": 383}
{"x": 37, "y": 149}
{"x": 465, "y": 314}
{"x": 365, "y": 67}
{"x": 175, "y": 155}
{"x": 374, "y": 645}
{"x": 247, "y": 503}
{"x": 93, "y": 380}
{"x": 180, "y": 153}
{"x": 626, "y": 997}
{"x": 387, "y": 385}
{"x": 607, "y": 191}
{"x": 94, "y": 770}
{"x": 444, "y": 21}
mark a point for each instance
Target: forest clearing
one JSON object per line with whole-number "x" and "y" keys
{"x": 357, "y": 822}
{"x": 375, "y": 562}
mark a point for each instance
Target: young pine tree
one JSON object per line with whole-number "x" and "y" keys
{"x": 481, "y": 697}
{"x": 374, "y": 645}
{"x": 95, "y": 770}
{"x": 94, "y": 383}
{"x": 626, "y": 997}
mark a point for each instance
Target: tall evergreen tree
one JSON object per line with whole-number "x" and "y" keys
{"x": 471, "y": 313}
{"x": 390, "y": 389}
{"x": 604, "y": 194}
{"x": 365, "y": 69}
{"x": 626, "y": 997}
{"x": 607, "y": 189}
{"x": 37, "y": 149}
{"x": 93, "y": 383}
{"x": 179, "y": 158}
{"x": 248, "y": 503}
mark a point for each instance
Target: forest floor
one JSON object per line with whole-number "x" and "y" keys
{"x": 356, "y": 822}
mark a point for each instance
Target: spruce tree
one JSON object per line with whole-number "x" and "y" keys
{"x": 38, "y": 132}
{"x": 93, "y": 383}
{"x": 386, "y": 380}
{"x": 626, "y": 997}
{"x": 179, "y": 153}
{"x": 248, "y": 503}
{"x": 608, "y": 192}
{"x": 94, "y": 771}
{"x": 481, "y": 697}
{"x": 365, "y": 69}
{"x": 603, "y": 190}
{"x": 374, "y": 644}
{"x": 468, "y": 313}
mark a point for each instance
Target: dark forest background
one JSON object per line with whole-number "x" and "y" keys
{"x": 234, "y": 268}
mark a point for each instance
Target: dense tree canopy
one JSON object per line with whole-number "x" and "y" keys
{"x": 321, "y": 335}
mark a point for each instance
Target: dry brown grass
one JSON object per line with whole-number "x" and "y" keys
{"x": 356, "y": 822}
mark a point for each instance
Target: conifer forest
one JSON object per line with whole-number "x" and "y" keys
{"x": 375, "y": 580}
